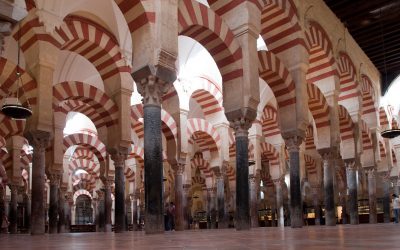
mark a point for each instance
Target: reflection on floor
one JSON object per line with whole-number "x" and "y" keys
{"x": 378, "y": 236}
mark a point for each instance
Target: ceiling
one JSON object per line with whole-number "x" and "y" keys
{"x": 375, "y": 25}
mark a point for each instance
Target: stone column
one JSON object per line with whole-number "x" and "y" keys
{"x": 179, "y": 217}
{"x": 279, "y": 202}
{"x": 61, "y": 210}
{"x": 241, "y": 127}
{"x": 152, "y": 88}
{"x": 13, "y": 208}
{"x": 296, "y": 212}
{"x": 329, "y": 193}
{"x": 386, "y": 197}
{"x": 253, "y": 201}
{"x": 107, "y": 206}
{"x": 39, "y": 140}
{"x": 69, "y": 202}
{"x": 185, "y": 205}
{"x": 222, "y": 223}
{"x": 27, "y": 215}
{"x": 351, "y": 172}
{"x": 100, "y": 222}
{"x": 119, "y": 156}
{"x": 343, "y": 203}
{"x": 135, "y": 197}
{"x": 317, "y": 204}
{"x": 54, "y": 202}
{"x": 372, "y": 195}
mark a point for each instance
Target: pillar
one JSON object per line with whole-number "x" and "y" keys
{"x": 61, "y": 210}
{"x": 351, "y": 172}
{"x": 343, "y": 203}
{"x": 253, "y": 201}
{"x": 179, "y": 217}
{"x": 100, "y": 222}
{"x": 317, "y": 204}
{"x": 13, "y": 209}
{"x": 107, "y": 207}
{"x": 54, "y": 202}
{"x": 119, "y": 156}
{"x": 372, "y": 195}
{"x": 185, "y": 205}
{"x": 39, "y": 141}
{"x": 135, "y": 197}
{"x": 241, "y": 128}
{"x": 296, "y": 215}
{"x": 152, "y": 88}
{"x": 222, "y": 223}
{"x": 329, "y": 194}
{"x": 279, "y": 202}
{"x": 386, "y": 197}
{"x": 27, "y": 215}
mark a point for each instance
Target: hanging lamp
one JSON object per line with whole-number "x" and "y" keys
{"x": 393, "y": 132}
{"x": 12, "y": 106}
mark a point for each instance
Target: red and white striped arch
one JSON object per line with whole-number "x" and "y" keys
{"x": 280, "y": 25}
{"x": 95, "y": 43}
{"x": 137, "y": 153}
{"x": 230, "y": 173}
{"x": 321, "y": 61}
{"x": 382, "y": 150}
{"x": 135, "y": 15}
{"x": 346, "y": 124}
{"x": 272, "y": 71}
{"x": 270, "y": 121}
{"x": 83, "y": 181}
{"x": 203, "y": 165}
{"x": 318, "y": 106}
{"x": 210, "y": 135}
{"x": 366, "y": 136}
{"x": 348, "y": 77}
{"x": 383, "y": 119}
{"x": 10, "y": 127}
{"x": 81, "y": 192}
{"x": 395, "y": 123}
{"x": 251, "y": 151}
{"x": 311, "y": 165}
{"x": 222, "y": 7}
{"x": 270, "y": 152}
{"x": 129, "y": 174}
{"x": 208, "y": 101}
{"x": 203, "y": 25}
{"x": 168, "y": 124}
{"x": 232, "y": 144}
{"x": 103, "y": 111}
{"x": 89, "y": 166}
{"x": 368, "y": 96}
{"x": 198, "y": 180}
{"x": 309, "y": 139}
{"x": 83, "y": 153}
{"x": 86, "y": 140}
{"x": 394, "y": 157}
{"x": 8, "y": 78}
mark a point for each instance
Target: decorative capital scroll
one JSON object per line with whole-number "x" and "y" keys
{"x": 152, "y": 89}
{"x": 118, "y": 156}
{"x": 55, "y": 178}
{"x": 293, "y": 143}
{"x": 241, "y": 126}
{"x": 39, "y": 140}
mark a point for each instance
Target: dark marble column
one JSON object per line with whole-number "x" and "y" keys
{"x": 39, "y": 140}
{"x": 329, "y": 193}
{"x": 279, "y": 202}
{"x": 152, "y": 88}
{"x": 119, "y": 157}
{"x": 222, "y": 223}
{"x": 185, "y": 205}
{"x": 241, "y": 127}
{"x": 179, "y": 217}
{"x": 253, "y": 201}
{"x": 100, "y": 222}
{"x": 27, "y": 215}
{"x": 61, "y": 210}
{"x": 372, "y": 195}
{"x": 317, "y": 204}
{"x": 296, "y": 212}
{"x": 351, "y": 172}
{"x": 135, "y": 197}
{"x": 386, "y": 197}
{"x": 54, "y": 202}
{"x": 107, "y": 206}
{"x": 13, "y": 208}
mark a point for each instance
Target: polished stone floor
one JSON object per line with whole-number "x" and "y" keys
{"x": 379, "y": 236}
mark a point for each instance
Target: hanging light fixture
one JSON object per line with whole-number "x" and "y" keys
{"x": 394, "y": 132}
{"x": 12, "y": 106}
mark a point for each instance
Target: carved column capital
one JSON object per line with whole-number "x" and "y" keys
{"x": 152, "y": 88}
{"x": 293, "y": 142}
{"x": 350, "y": 164}
{"x": 39, "y": 140}
{"x": 241, "y": 126}
{"x": 371, "y": 172}
{"x": 119, "y": 158}
{"x": 55, "y": 178}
